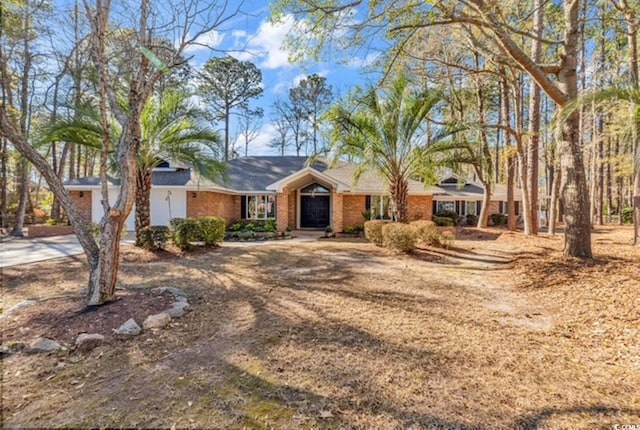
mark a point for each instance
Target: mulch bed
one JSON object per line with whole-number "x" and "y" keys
{"x": 64, "y": 318}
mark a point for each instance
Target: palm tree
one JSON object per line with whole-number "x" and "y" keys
{"x": 630, "y": 95}
{"x": 171, "y": 130}
{"x": 388, "y": 133}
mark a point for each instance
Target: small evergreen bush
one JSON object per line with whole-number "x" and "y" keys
{"x": 497, "y": 219}
{"x": 399, "y": 237}
{"x": 627, "y": 215}
{"x": 426, "y": 232}
{"x": 448, "y": 214}
{"x": 471, "y": 220}
{"x": 211, "y": 230}
{"x": 373, "y": 231}
{"x": 187, "y": 230}
{"x": 270, "y": 225}
{"x": 442, "y": 221}
{"x": 155, "y": 237}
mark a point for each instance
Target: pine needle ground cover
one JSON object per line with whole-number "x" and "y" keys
{"x": 496, "y": 331}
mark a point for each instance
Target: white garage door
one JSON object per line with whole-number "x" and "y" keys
{"x": 167, "y": 203}
{"x": 97, "y": 212}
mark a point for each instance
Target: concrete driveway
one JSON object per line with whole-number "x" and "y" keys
{"x": 17, "y": 251}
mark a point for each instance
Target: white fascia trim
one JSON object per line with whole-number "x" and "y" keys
{"x": 278, "y": 186}
{"x": 386, "y": 193}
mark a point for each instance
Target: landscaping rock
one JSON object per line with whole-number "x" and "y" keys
{"x": 178, "y": 309}
{"x": 129, "y": 328}
{"x": 88, "y": 341}
{"x": 22, "y": 304}
{"x": 181, "y": 299}
{"x": 43, "y": 345}
{"x": 156, "y": 321}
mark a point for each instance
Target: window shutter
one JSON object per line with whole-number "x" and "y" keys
{"x": 458, "y": 207}
{"x": 434, "y": 209}
{"x": 478, "y": 207}
{"x": 517, "y": 207}
{"x": 243, "y": 207}
{"x": 367, "y": 202}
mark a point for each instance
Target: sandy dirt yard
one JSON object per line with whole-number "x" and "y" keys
{"x": 498, "y": 331}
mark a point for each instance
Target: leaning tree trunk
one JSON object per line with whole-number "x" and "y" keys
{"x": 23, "y": 186}
{"x": 483, "y": 218}
{"x": 400, "y": 196}
{"x": 143, "y": 203}
{"x": 553, "y": 203}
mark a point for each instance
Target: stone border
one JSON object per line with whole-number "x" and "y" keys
{"x": 88, "y": 341}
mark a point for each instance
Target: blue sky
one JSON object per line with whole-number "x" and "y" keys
{"x": 252, "y": 37}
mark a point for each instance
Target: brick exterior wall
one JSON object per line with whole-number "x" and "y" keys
{"x": 494, "y": 207}
{"x": 205, "y": 203}
{"x": 353, "y": 206}
{"x": 420, "y": 207}
{"x": 83, "y": 203}
{"x": 292, "y": 200}
{"x": 282, "y": 211}
{"x": 337, "y": 211}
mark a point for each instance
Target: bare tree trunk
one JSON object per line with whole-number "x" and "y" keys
{"x": 574, "y": 185}
{"x": 512, "y": 224}
{"x": 4, "y": 183}
{"x": 23, "y": 187}
{"x": 534, "y": 123}
{"x": 554, "y": 201}
{"x": 522, "y": 161}
{"x": 609, "y": 181}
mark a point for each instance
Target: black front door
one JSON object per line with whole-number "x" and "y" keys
{"x": 314, "y": 211}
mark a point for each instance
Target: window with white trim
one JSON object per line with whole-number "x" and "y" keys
{"x": 471, "y": 208}
{"x": 259, "y": 206}
{"x": 381, "y": 207}
{"x": 445, "y": 206}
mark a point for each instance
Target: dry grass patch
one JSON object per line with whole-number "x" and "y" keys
{"x": 339, "y": 334}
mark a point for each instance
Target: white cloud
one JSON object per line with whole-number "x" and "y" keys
{"x": 208, "y": 40}
{"x": 266, "y": 46}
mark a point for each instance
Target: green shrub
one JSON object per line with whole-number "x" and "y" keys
{"x": 441, "y": 221}
{"x": 497, "y": 219}
{"x": 426, "y": 232}
{"x": 399, "y": 237}
{"x": 173, "y": 225}
{"x": 185, "y": 231}
{"x": 627, "y": 215}
{"x": 155, "y": 237}
{"x": 373, "y": 231}
{"x": 448, "y": 214}
{"x": 471, "y": 220}
{"x": 52, "y": 221}
{"x": 270, "y": 225}
{"x": 237, "y": 226}
{"x": 211, "y": 230}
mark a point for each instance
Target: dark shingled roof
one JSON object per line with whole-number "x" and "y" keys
{"x": 256, "y": 173}
{"x": 159, "y": 179}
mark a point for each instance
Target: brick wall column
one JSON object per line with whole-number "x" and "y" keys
{"x": 337, "y": 212}
{"x": 282, "y": 210}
